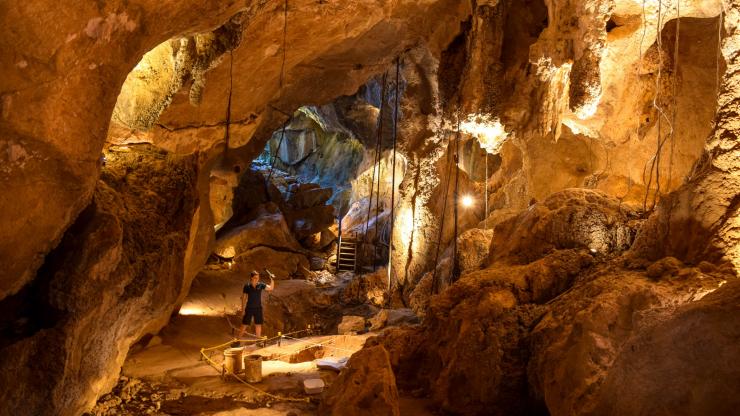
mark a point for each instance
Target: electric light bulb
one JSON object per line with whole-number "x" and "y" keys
{"x": 467, "y": 201}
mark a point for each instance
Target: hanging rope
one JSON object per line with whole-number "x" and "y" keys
{"x": 485, "y": 195}
{"x": 655, "y": 160}
{"x": 435, "y": 283}
{"x": 378, "y": 152}
{"x": 227, "y": 133}
{"x": 639, "y": 117}
{"x": 656, "y": 98}
{"x": 378, "y": 238}
{"x": 456, "y": 195}
{"x": 393, "y": 174}
{"x": 280, "y": 82}
{"x": 675, "y": 91}
{"x": 376, "y": 164}
{"x": 285, "y": 44}
{"x": 720, "y": 19}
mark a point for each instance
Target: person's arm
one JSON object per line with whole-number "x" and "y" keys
{"x": 244, "y": 301}
{"x": 271, "y": 286}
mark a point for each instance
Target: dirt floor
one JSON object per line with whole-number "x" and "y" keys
{"x": 167, "y": 375}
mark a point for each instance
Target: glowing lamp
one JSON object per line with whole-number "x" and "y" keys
{"x": 467, "y": 201}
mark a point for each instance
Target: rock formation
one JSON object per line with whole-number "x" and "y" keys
{"x": 374, "y": 386}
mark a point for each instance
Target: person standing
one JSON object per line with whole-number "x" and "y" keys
{"x": 252, "y": 303}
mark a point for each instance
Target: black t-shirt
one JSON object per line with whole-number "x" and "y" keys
{"x": 254, "y": 295}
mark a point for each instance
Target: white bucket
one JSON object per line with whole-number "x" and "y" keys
{"x": 233, "y": 360}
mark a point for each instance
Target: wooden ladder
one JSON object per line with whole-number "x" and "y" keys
{"x": 347, "y": 258}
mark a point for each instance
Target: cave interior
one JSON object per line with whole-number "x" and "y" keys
{"x": 460, "y": 207}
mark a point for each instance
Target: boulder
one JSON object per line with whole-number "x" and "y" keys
{"x": 367, "y": 386}
{"x": 317, "y": 263}
{"x": 305, "y": 222}
{"x": 685, "y": 365}
{"x": 575, "y": 344}
{"x": 312, "y": 242}
{"x": 251, "y": 195}
{"x": 328, "y": 236}
{"x": 478, "y": 367}
{"x": 392, "y": 317}
{"x": 221, "y": 195}
{"x": 320, "y": 241}
{"x": 351, "y": 324}
{"x": 268, "y": 230}
{"x": 667, "y": 266}
{"x": 284, "y": 264}
{"x": 302, "y": 197}
{"x": 367, "y": 288}
{"x": 472, "y": 249}
{"x": 422, "y": 291}
{"x": 573, "y": 218}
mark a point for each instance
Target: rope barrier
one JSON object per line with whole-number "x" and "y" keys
{"x": 223, "y": 370}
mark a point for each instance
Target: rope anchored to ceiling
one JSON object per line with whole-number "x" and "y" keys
{"x": 280, "y": 82}
{"x": 455, "y": 264}
{"x": 376, "y": 167}
{"x": 656, "y": 159}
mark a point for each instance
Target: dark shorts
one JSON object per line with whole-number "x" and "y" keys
{"x": 253, "y": 313}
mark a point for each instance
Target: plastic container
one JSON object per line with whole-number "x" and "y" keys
{"x": 233, "y": 360}
{"x": 313, "y": 386}
{"x": 253, "y": 368}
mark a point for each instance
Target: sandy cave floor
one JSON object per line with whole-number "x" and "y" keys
{"x": 165, "y": 375}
